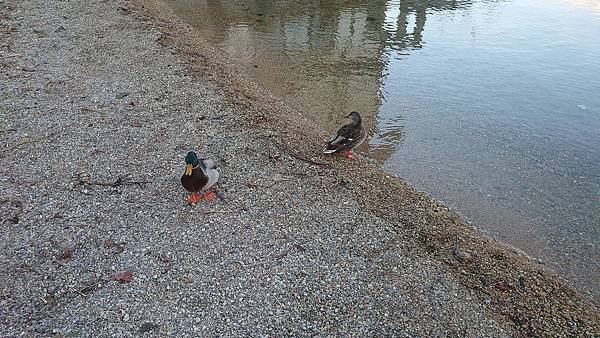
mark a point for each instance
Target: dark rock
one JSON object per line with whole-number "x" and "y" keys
{"x": 147, "y": 327}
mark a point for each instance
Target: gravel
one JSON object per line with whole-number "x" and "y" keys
{"x": 101, "y": 101}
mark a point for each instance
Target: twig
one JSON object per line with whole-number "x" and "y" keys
{"x": 3, "y": 129}
{"x": 216, "y": 211}
{"x": 11, "y": 55}
{"x": 298, "y": 157}
{"x": 19, "y": 145}
{"x": 219, "y": 195}
{"x": 117, "y": 183}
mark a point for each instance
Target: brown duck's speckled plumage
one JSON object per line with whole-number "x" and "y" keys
{"x": 347, "y": 138}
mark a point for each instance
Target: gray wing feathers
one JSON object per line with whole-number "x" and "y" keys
{"x": 209, "y": 164}
{"x": 210, "y": 170}
{"x": 213, "y": 177}
{"x": 337, "y": 140}
{"x": 348, "y": 137}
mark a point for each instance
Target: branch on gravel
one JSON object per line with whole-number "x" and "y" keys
{"x": 120, "y": 181}
{"x": 296, "y": 156}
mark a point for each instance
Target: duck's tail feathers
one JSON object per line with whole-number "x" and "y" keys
{"x": 329, "y": 150}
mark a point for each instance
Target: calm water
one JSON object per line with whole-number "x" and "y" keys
{"x": 490, "y": 106}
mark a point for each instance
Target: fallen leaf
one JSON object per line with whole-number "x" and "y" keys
{"x": 163, "y": 258}
{"x": 124, "y": 276}
{"x": 281, "y": 255}
{"x": 502, "y": 287}
{"x": 299, "y": 247}
{"x": 49, "y": 299}
{"x": 188, "y": 279}
{"x": 66, "y": 253}
{"x": 278, "y": 177}
{"x": 118, "y": 248}
{"x": 251, "y": 183}
{"x": 89, "y": 286}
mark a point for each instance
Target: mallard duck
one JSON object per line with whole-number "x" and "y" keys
{"x": 199, "y": 176}
{"x": 348, "y": 137}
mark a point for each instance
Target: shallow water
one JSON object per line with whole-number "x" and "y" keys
{"x": 490, "y": 106}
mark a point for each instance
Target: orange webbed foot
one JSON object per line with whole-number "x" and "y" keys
{"x": 349, "y": 154}
{"x": 209, "y": 196}
{"x": 194, "y": 198}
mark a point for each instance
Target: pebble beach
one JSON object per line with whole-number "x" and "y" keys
{"x": 101, "y": 100}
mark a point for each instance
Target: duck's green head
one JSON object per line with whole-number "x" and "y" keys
{"x": 355, "y": 116}
{"x": 191, "y": 160}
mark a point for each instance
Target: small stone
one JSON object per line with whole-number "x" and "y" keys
{"x": 462, "y": 255}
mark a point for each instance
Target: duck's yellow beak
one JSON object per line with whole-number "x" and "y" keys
{"x": 188, "y": 169}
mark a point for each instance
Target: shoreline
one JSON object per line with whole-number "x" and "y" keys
{"x": 242, "y": 89}
{"x": 509, "y": 205}
{"x": 509, "y": 287}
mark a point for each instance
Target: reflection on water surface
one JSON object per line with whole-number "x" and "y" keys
{"x": 481, "y": 104}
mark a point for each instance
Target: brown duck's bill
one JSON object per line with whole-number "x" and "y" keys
{"x": 188, "y": 170}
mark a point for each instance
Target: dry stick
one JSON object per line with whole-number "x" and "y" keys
{"x": 27, "y": 140}
{"x": 216, "y": 211}
{"x": 19, "y": 145}
{"x": 220, "y": 196}
{"x": 298, "y": 157}
{"x": 117, "y": 183}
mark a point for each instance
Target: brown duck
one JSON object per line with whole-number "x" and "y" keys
{"x": 348, "y": 137}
